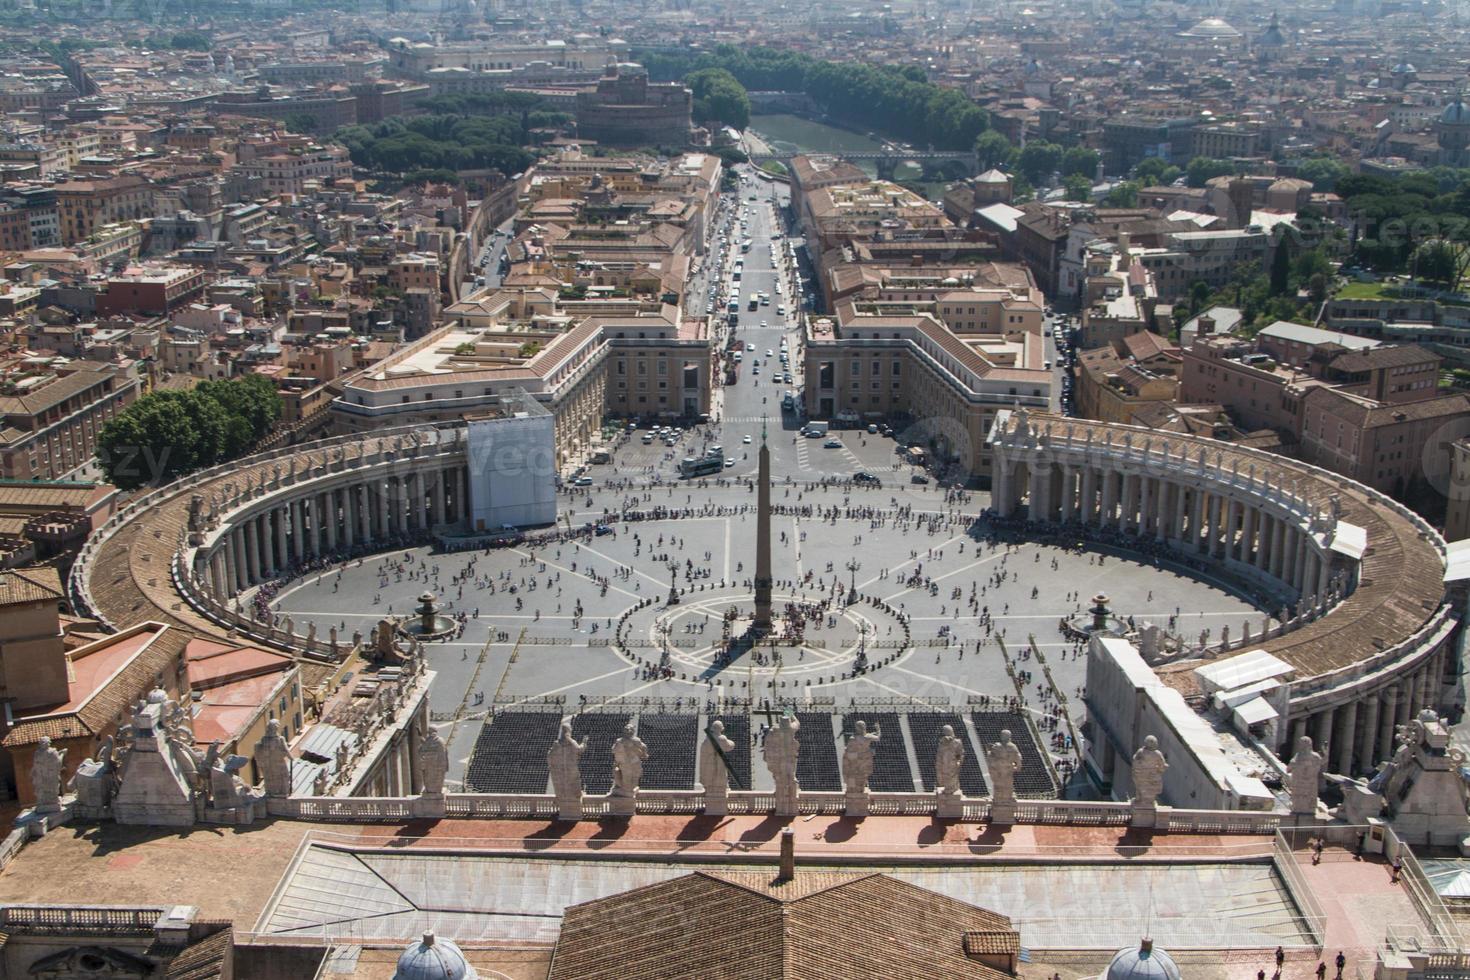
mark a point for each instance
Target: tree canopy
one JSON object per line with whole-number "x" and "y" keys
{"x": 1202, "y": 169}
{"x": 718, "y": 98}
{"x": 167, "y": 434}
{"x": 1080, "y": 160}
{"x": 445, "y": 141}
{"x": 897, "y": 102}
{"x": 1038, "y": 160}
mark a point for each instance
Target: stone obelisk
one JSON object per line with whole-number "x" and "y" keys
{"x": 762, "y": 621}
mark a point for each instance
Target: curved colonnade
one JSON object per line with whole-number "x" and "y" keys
{"x": 1364, "y": 620}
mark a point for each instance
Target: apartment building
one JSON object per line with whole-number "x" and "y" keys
{"x": 84, "y": 206}
{"x": 891, "y": 359}
{"x": 53, "y": 410}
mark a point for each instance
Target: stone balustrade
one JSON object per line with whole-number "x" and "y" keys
{"x": 1078, "y": 813}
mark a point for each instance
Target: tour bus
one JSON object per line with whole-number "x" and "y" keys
{"x": 788, "y": 401}
{"x": 733, "y": 306}
{"x": 755, "y": 302}
{"x": 690, "y": 467}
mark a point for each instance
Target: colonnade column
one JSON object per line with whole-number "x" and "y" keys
{"x": 1278, "y": 549}
{"x": 329, "y": 512}
{"x": 237, "y": 555}
{"x": 349, "y": 516}
{"x": 440, "y": 478}
{"x": 1247, "y": 534}
{"x": 217, "y": 575}
{"x": 1089, "y": 494}
{"x": 401, "y": 495}
{"x": 1145, "y": 504}
{"x": 1368, "y": 732}
{"x": 252, "y": 552}
{"x": 283, "y": 554}
{"x": 1387, "y": 709}
{"x": 1197, "y": 520}
{"x": 462, "y": 495}
{"x": 1176, "y": 529}
{"x": 1109, "y": 496}
{"x": 1264, "y": 533}
{"x": 1323, "y": 730}
{"x": 1342, "y": 755}
{"x": 385, "y": 528}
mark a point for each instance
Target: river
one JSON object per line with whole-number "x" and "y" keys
{"x": 788, "y": 133}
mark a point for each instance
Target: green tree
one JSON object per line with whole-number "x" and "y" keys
{"x": 1281, "y": 268}
{"x": 1323, "y": 172}
{"x": 1125, "y": 195}
{"x": 1078, "y": 187}
{"x": 1437, "y": 261}
{"x": 1155, "y": 172}
{"x": 993, "y": 150}
{"x": 189, "y": 41}
{"x": 1039, "y": 160}
{"x": 719, "y": 98}
{"x": 167, "y": 434}
{"x": 299, "y": 122}
{"x": 1202, "y": 169}
{"x": 1080, "y": 160}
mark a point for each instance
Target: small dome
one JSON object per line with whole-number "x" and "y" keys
{"x": 1212, "y": 28}
{"x": 1143, "y": 962}
{"x": 438, "y": 959}
{"x": 1457, "y": 113}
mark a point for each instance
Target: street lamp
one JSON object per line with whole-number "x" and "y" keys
{"x": 852, "y": 566}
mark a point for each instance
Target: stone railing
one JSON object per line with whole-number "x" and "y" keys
{"x": 1077, "y": 813}
{"x": 11, "y": 846}
{"x": 79, "y": 918}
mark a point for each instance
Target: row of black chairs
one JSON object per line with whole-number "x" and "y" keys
{"x": 510, "y": 752}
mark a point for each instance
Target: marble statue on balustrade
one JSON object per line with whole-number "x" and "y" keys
{"x": 227, "y": 791}
{"x": 46, "y": 766}
{"x": 629, "y": 753}
{"x": 433, "y": 762}
{"x": 94, "y": 780}
{"x": 948, "y": 758}
{"x": 273, "y": 758}
{"x": 857, "y": 759}
{"x": 857, "y": 767}
{"x": 714, "y": 768}
{"x": 1149, "y": 766}
{"x": 1304, "y": 777}
{"x": 564, "y": 760}
{"x": 1003, "y": 759}
{"x": 780, "y": 751}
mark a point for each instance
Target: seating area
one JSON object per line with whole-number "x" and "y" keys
{"x": 672, "y": 742}
{"x": 926, "y": 728}
{"x": 1033, "y": 779}
{"x": 737, "y": 730}
{"x": 510, "y": 753}
{"x": 891, "y": 771}
{"x": 816, "y": 765}
{"x": 600, "y": 731}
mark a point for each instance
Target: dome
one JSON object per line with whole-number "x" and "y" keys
{"x": 1142, "y": 963}
{"x": 1212, "y": 28}
{"x": 1457, "y": 113}
{"x": 438, "y": 959}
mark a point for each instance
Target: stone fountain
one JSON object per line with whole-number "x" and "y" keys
{"x": 428, "y": 623}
